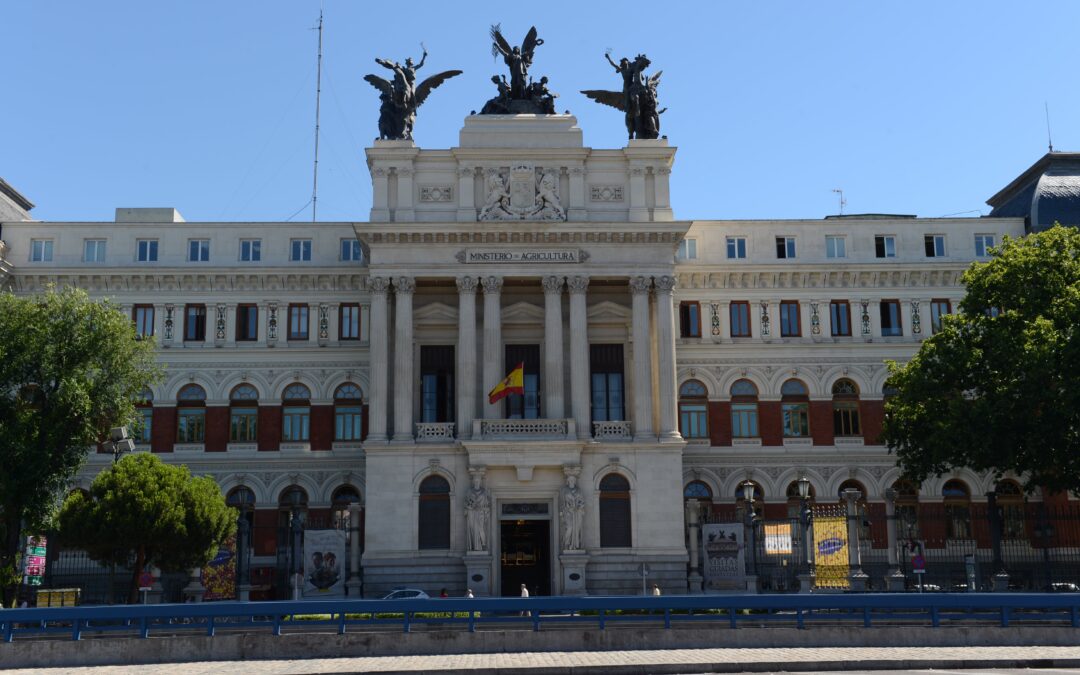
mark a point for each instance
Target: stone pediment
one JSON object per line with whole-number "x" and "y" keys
{"x": 608, "y": 311}
{"x": 522, "y": 312}
{"x": 435, "y": 313}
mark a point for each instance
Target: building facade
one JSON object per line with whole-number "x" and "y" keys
{"x": 342, "y": 370}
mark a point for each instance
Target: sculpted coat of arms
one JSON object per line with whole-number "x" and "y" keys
{"x": 522, "y": 193}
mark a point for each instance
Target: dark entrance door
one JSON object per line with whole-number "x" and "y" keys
{"x": 526, "y": 557}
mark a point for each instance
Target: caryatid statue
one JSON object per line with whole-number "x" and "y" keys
{"x": 477, "y": 512}
{"x": 571, "y": 510}
{"x": 401, "y": 97}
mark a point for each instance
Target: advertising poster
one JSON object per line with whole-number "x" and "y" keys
{"x": 830, "y": 552}
{"x": 219, "y": 575}
{"x": 725, "y": 565}
{"x": 34, "y": 560}
{"x": 777, "y": 538}
{"x": 324, "y": 564}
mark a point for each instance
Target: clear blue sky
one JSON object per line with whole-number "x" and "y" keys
{"x": 208, "y": 106}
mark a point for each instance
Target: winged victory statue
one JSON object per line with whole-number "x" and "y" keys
{"x": 401, "y": 96}
{"x": 637, "y": 98}
{"x": 521, "y": 95}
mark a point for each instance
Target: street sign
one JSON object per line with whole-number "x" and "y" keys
{"x": 918, "y": 564}
{"x": 146, "y": 581}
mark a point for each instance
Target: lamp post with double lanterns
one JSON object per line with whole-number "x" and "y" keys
{"x": 119, "y": 442}
{"x": 806, "y": 574}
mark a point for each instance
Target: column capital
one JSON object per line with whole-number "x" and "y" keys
{"x": 639, "y": 285}
{"x": 378, "y": 284}
{"x": 552, "y": 284}
{"x": 578, "y": 284}
{"x": 492, "y": 284}
{"x": 665, "y": 284}
{"x": 466, "y": 284}
{"x": 467, "y": 171}
{"x": 404, "y": 285}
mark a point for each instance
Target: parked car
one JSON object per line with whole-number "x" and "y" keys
{"x": 406, "y": 594}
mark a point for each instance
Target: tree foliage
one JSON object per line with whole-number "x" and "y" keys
{"x": 70, "y": 368}
{"x": 998, "y": 388}
{"x": 153, "y": 512}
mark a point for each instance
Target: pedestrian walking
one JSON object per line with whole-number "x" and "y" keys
{"x": 524, "y": 594}
{"x": 469, "y": 593}
{"x": 656, "y": 589}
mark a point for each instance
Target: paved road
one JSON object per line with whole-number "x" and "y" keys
{"x": 915, "y": 659}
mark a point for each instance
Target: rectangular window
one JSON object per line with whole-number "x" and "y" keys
{"x": 835, "y": 246}
{"x": 250, "y": 250}
{"x": 744, "y": 422}
{"x": 885, "y": 246}
{"x": 690, "y": 319}
{"x": 300, "y": 250}
{"x": 146, "y": 425}
{"x": 348, "y": 421}
{"x": 296, "y": 423}
{"x": 525, "y": 406}
{"x": 190, "y": 425}
{"x": 796, "y": 419}
{"x": 41, "y": 250}
{"x": 298, "y": 322}
{"x": 143, "y": 315}
{"x": 983, "y": 244}
{"x": 694, "y": 419}
{"x": 890, "y": 318}
{"x": 437, "y": 383}
{"x": 736, "y": 248}
{"x": 349, "y": 324}
{"x": 938, "y": 309}
{"x": 93, "y": 250}
{"x": 247, "y": 323}
{"x": 198, "y": 250}
{"x": 687, "y": 249}
{"x": 146, "y": 250}
{"x": 846, "y": 419}
{"x": 244, "y": 425}
{"x": 785, "y": 247}
{"x": 935, "y": 245}
{"x": 840, "y": 314}
{"x": 606, "y": 375}
{"x": 740, "y": 319}
{"x": 194, "y": 323}
{"x": 351, "y": 251}
{"x": 789, "y": 319}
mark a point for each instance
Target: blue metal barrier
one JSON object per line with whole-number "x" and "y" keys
{"x": 600, "y": 612}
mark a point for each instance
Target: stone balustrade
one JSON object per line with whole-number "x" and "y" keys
{"x": 434, "y": 432}
{"x": 616, "y": 430}
{"x": 535, "y": 429}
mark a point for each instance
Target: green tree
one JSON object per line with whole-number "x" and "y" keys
{"x": 149, "y": 511}
{"x": 70, "y": 368}
{"x": 998, "y": 388}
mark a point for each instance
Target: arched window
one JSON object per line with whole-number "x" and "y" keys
{"x": 243, "y": 414}
{"x": 744, "y": 409}
{"x": 342, "y": 497}
{"x": 695, "y": 489}
{"x": 794, "y": 500}
{"x": 144, "y": 409}
{"x": 434, "y": 519}
{"x": 740, "y": 497}
{"x": 957, "y": 509}
{"x": 191, "y": 414}
{"x": 296, "y": 413}
{"x": 615, "y": 530}
{"x": 1010, "y": 499}
{"x": 795, "y": 405}
{"x": 242, "y": 499}
{"x": 860, "y": 504}
{"x": 907, "y": 508}
{"x": 846, "y": 408}
{"x": 292, "y": 498}
{"x": 348, "y": 413}
{"x": 693, "y": 410}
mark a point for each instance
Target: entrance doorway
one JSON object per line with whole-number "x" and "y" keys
{"x": 526, "y": 557}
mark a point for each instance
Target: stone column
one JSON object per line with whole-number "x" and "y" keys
{"x": 643, "y": 413}
{"x": 577, "y": 210}
{"x": 579, "y": 355}
{"x": 404, "y": 212}
{"x": 354, "y": 583}
{"x": 894, "y": 578}
{"x": 725, "y": 321}
{"x": 665, "y": 340}
{"x": 639, "y": 212}
{"x": 553, "y": 348}
{"x": 661, "y": 176}
{"x": 466, "y": 197}
{"x": 466, "y": 356}
{"x": 805, "y": 329}
{"x": 874, "y": 309}
{"x": 380, "y": 195}
{"x": 403, "y": 358}
{"x": 493, "y": 346}
{"x": 379, "y": 287}
{"x": 856, "y": 576}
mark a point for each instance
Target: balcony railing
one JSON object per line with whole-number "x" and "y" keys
{"x": 434, "y": 432}
{"x": 509, "y": 430}
{"x": 618, "y": 430}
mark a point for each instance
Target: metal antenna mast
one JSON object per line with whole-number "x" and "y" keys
{"x": 843, "y": 202}
{"x": 318, "y": 97}
{"x": 1049, "y": 141}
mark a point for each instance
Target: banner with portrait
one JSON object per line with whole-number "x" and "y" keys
{"x": 830, "y": 552}
{"x": 725, "y": 564}
{"x": 324, "y": 564}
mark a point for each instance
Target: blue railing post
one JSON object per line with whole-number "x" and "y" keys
{"x": 866, "y": 617}
{"x": 536, "y": 620}
{"x": 405, "y": 621}
{"x": 341, "y": 624}
{"x": 799, "y": 621}
{"x": 1075, "y": 613}
{"x": 935, "y": 617}
{"x": 601, "y": 622}
{"x": 209, "y": 626}
{"x": 76, "y": 631}
{"x": 1004, "y": 616}
{"x": 667, "y": 618}
{"x": 9, "y": 629}
{"x": 277, "y": 625}
{"x": 472, "y": 621}
{"x": 144, "y": 628}
{"x": 733, "y": 616}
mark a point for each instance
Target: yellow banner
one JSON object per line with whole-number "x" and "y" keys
{"x": 830, "y": 552}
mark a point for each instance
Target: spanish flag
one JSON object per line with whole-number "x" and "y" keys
{"x": 514, "y": 383}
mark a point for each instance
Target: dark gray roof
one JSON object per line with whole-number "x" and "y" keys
{"x": 13, "y": 194}
{"x": 1048, "y": 192}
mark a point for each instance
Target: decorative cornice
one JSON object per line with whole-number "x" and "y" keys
{"x": 827, "y": 277}
{"x": 504, "y": 236}
{"x": 172, "y": 281}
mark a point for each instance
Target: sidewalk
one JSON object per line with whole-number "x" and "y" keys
{"x": 630, "y": 662}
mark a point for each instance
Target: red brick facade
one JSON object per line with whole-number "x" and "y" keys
{"x": 163, "y": 429}
{"x": 217, "y": 428}
{"x": 720, "y": 423}
{"x": 269, "y": 427}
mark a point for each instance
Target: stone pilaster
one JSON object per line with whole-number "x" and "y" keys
{"x": 405, "y": 212}
{"x": 577, "y": 210}
{"x": 639, "y": 212}
{"x": 379, "y": 287}
{"x": 553, "y": 348}
{"x": 579, "y": 354}
{"x": 466, "y": 196}
{"x": 493, "y": 346}
{"x": 466, "y": 355}
{"x": 665, "y": 339}
{"x": 380, "y": 194}
{"x": 403, "y": 358}
{"x": 643, "y": 413}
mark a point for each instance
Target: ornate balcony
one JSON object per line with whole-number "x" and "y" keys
{"x": 434, "y": 432}
{"x": 524, "y": 430}
{"x": 612, "y": 431}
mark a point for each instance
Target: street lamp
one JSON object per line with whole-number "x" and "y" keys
{"x": 804, "y": 524}
{"x": 748, "y": 489}
{"x": 119, "y": 442}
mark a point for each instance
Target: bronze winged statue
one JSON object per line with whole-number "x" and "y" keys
{"x": 521, "y": 95}
{"x": 401, "y": 96}
{"x": 637, "y": 98}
